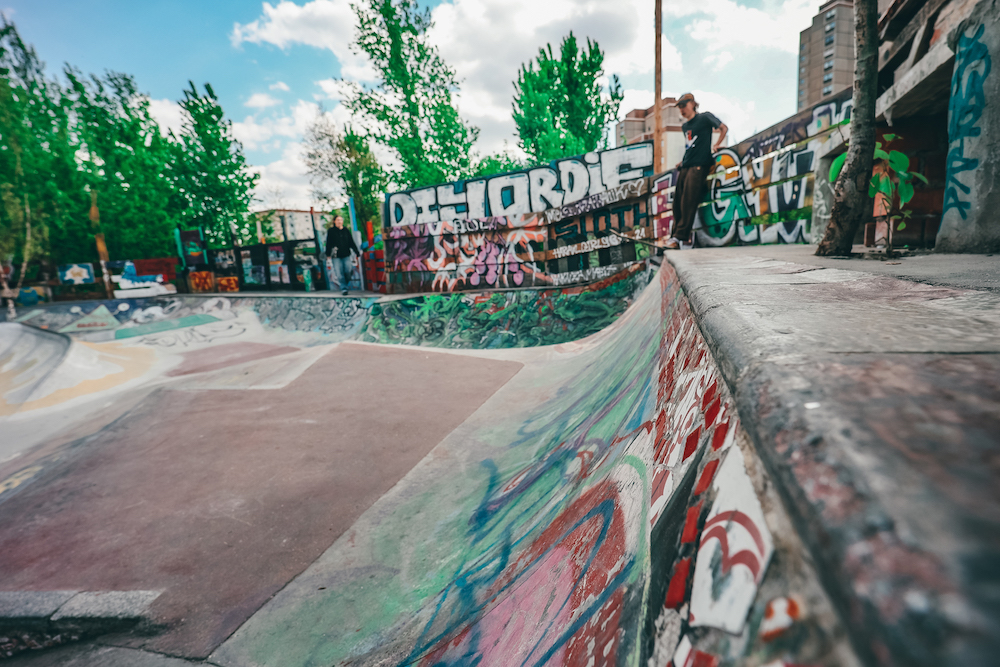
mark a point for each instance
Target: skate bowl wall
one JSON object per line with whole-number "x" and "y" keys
{"x": 27, "y": 357}
{"x": 546, "y": 530}
{"x": 516, "y": 318}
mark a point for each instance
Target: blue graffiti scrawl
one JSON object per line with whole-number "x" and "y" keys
{"x": 972, "y": 66}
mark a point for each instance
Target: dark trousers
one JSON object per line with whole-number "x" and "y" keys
{"x": 688, "y": 193}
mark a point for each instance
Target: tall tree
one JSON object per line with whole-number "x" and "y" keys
{"x": 852, "y": 204}
{"x": 40, "y": 188}
{"x": 560, "y": 108}
{"x": 346, "y": 160}
{"x": 125, "y": 160}
{"x": 411, "y": 109}
{"x": 210, "y": 172}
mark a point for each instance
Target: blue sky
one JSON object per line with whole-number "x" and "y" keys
{"x": 273, "y": 64}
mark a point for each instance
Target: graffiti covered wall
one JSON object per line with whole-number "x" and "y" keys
{"x": 971, "y": 197}
{"x": 761, "y": 190}
{"x": 545, "y": 227}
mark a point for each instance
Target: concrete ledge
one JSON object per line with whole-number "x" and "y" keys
{"x": 875, "y": 406}
{"x": 84, "y": 613}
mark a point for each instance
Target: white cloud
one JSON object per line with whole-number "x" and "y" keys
{"x": 261, "y": 101}
{"x": 280, "y": 85}
{"x": 719, "y": 60}
{"x": 285, "y": 178}
{"x": 725, "y": 24}
{"x": 167, "y": 114}
{"x": 326, "y": 24}
{"x": 257, "y": 134}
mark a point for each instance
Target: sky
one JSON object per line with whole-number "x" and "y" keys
{"x": 275, "y": 65}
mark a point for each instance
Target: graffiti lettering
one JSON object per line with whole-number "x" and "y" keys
{"x": 972, "y": 66}
{"x": 531, "y": 191}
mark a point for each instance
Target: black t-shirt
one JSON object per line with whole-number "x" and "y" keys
{"x": 698, "y": 140}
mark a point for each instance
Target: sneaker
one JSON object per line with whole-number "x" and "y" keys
{"x": 673, "y": 244}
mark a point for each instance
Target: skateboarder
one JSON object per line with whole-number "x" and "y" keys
{"x": 695, "y": 167}
{"x": 342, "y": 241}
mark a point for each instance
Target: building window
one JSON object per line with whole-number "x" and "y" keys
{"x": 802, "y": 71}
{"x": 830, "y": 27}
{"x": 828, "y": 41}
{"x": 803, "y": 59}
{"x": 830, "y": 14}
{"x": 827, "y": 90}
{"x": 828, "y": 65}
{"x": 829, "y": 53}
{"x": 802, "y": 92}
{"x": 827, "y": 78}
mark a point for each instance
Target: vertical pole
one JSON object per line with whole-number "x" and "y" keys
{"x": 658, "y": 92}
{"x": 102, "y": 248}
{"x": 320, "y": 250}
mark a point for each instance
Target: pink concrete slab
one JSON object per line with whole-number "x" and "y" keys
{"x": 221, "y": 497}
{"x": 229, "y": 354}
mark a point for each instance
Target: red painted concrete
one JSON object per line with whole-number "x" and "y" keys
{"x": 228, "y": 354}
{"x": 221, "y": 497}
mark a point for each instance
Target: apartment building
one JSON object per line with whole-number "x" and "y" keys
{"x": 826, "y": 53}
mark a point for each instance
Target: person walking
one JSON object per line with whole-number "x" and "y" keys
{"x": 693, "y": 169}
{"x": 341, "y": 240}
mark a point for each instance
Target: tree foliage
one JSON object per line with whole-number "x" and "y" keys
{"x": 411, "y": 109}
{"x": 560, "y": 108}
{"x": 347, "y": 161}
{"x": 210, "y": 172}
{"x": 61, "y": 139}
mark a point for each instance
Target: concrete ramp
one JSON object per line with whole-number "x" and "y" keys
{"x": 27, "y": 357}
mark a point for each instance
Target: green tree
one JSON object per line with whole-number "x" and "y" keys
{"x": 560, "y": 108}
{"x": 40, "y": 187}
{"x": 346, "y": 160}
{"x": 210, "y": 172}
{"x": 125, "y": 160}
{"x": 411, "y": 109}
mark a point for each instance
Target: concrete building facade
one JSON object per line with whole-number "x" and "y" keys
{"x": 826, "y": 54}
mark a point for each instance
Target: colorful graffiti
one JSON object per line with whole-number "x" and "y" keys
{"x": 761, "y": 191}
{"x": 561, "y": 183}
{"x": 575, "y": 244}
{"x": 554, "y": 536}
{"x": 972, "y": 66}
{"x": 521, "y": 318}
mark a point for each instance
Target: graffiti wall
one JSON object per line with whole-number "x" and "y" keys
{"x": 470, "y": 320}
{"x": 970, "y": 199}
{"x": 607, "y": 494}
{"x": 761, "y": 190}
{"x": 574, "y": 222}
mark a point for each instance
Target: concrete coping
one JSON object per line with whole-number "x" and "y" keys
{"x": 87, "y": 611}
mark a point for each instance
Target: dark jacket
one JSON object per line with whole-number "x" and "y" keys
{"x": 342, "y": 240}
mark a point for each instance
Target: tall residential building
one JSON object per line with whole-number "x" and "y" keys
{"x": 640, "y": 124}
{"x": 826, "y": 53}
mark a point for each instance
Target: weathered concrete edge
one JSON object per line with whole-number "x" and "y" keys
{"x": 788, "y": 440}
{"x": 79, "y": 612}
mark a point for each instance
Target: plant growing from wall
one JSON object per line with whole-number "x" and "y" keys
{"x": 891, "y": 183}
{"x": 560, "y": 108}
{"x": 411, "y": 109}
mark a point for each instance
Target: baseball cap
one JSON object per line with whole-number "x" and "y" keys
{"x": 684, "y": 99}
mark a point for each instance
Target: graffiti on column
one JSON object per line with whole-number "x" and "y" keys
{"x": 972, "y": 66}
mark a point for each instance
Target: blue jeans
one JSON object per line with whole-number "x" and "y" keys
{"x": 343, "y": 269}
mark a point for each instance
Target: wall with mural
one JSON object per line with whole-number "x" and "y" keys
{"x": 762, "y": 189}
{"x": 545, "y": 227}
{"x": 511, "y": 319}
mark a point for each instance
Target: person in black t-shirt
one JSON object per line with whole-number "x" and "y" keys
{"x": 694, "y": 168}
{"x": 341, "y": 240}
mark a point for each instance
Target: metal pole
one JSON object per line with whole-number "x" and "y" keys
{"x": 320, "y": 250}
{"x": 102, "y": 248}
{"x": 658, "y": 92}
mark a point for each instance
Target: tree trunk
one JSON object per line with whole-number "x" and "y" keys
{"x": 851, "y": 204}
